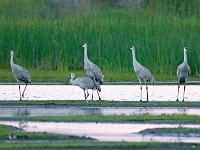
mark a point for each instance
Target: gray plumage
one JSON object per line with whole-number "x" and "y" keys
{"x": 20, "y": 73}
{"x": 183, "y": 72}
{"x": 92, "y": 70}
{"x": 143, "y": 74}
{"x": 85, "y": 83}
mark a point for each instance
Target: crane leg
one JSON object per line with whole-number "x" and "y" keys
{"x": 24, "y": 90}
{"x": 178, "y": 92}
{"x": 147, "y": 93}
{"x": 84, "y": 94}
{"x": 95, "y": 85}
{"x": 140, "y": 92}
{"x": 92, "y": 94}
{"x": 98, "y": 95}
{"x": 20, "y": 93}
{"x": 140, "y": 88}
{"x": 87, "y": 94}
{"x": 183, "y": 93}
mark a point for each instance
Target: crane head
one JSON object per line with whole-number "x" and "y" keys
{"x": 71, "y": 75}
{"x": 11, "y": 53}
{"x": 132, "y": 48}
{"x": 84, "y": 45}
{"x": 185, "y": 49}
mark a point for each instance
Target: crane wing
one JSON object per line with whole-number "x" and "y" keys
{"x": 97, "y": 71}
{"x": 145, "y": 75}
{"x": 178, "y": 70}
{"x": 189, "y": 73}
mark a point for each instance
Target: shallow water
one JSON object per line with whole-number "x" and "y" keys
{"x": 105, "y": 131}
{"x": 109, "y": 92}
{"x": 8, "y": 111}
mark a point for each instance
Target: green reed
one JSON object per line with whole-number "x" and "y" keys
{"x": 53, "y": 42}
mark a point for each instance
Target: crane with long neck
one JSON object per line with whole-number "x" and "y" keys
{"x": 91, "y": 69}
{"x": 143, "y": 74}
{"x": 20, "y": 73}
{"x": 183, "y": 72}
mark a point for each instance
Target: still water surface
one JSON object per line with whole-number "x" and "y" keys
{"x": 106, "y": 131}
{"x": 12, "y": 111}
{"x": 109, "y": 92}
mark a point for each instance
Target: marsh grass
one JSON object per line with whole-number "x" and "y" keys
{"x": 179, "y": 130}
{"x": 181, "y": 118}
{"x": 18, "y": 134}
{"x": 44, "y": 41}
{"x": 102, "y": 103}
{"x": 98, "y": 145}
{"x": 86, "y": 145}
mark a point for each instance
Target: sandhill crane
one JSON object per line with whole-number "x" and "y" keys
{"x": 85, "y": 83}
{"x": 143, "y": 74}
{"x": 183, "y": 72}
{"x": 20, "y": 74}
{"x": 92, "y": 70}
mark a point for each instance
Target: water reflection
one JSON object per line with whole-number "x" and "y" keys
{"x": 109, "y": 92}
{"x": 9, "y": 111}
{"x": 20, "y": 111}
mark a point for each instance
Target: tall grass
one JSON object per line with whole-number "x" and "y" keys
{"x": 51, "y": 41}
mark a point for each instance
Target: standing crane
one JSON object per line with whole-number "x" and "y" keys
{"x": 183, "y": 72}
{"x": 20, "y": 74}
{"x": 92, "y": 70}
{"x": 85, "y": 83}
{"x": 143, "y": 74}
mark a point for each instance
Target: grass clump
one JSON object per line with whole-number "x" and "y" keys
{"x": 13, "y": 133}
{"x": 180, "y": 131}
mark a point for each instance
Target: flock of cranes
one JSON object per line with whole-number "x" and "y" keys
{"x": 95, "y": 76}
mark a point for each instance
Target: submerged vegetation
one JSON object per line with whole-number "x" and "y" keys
{"x": 46, "y": 35}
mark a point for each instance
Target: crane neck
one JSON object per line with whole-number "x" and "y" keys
{"x": 11, "y": 60}
{"x": 85, "y": 52}
{"x": 185, "y": 57}
{"x": 134, "y": 58}
{"x": 72, "y": 81}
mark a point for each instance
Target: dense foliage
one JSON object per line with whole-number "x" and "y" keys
{"x": 46, "y": 34}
